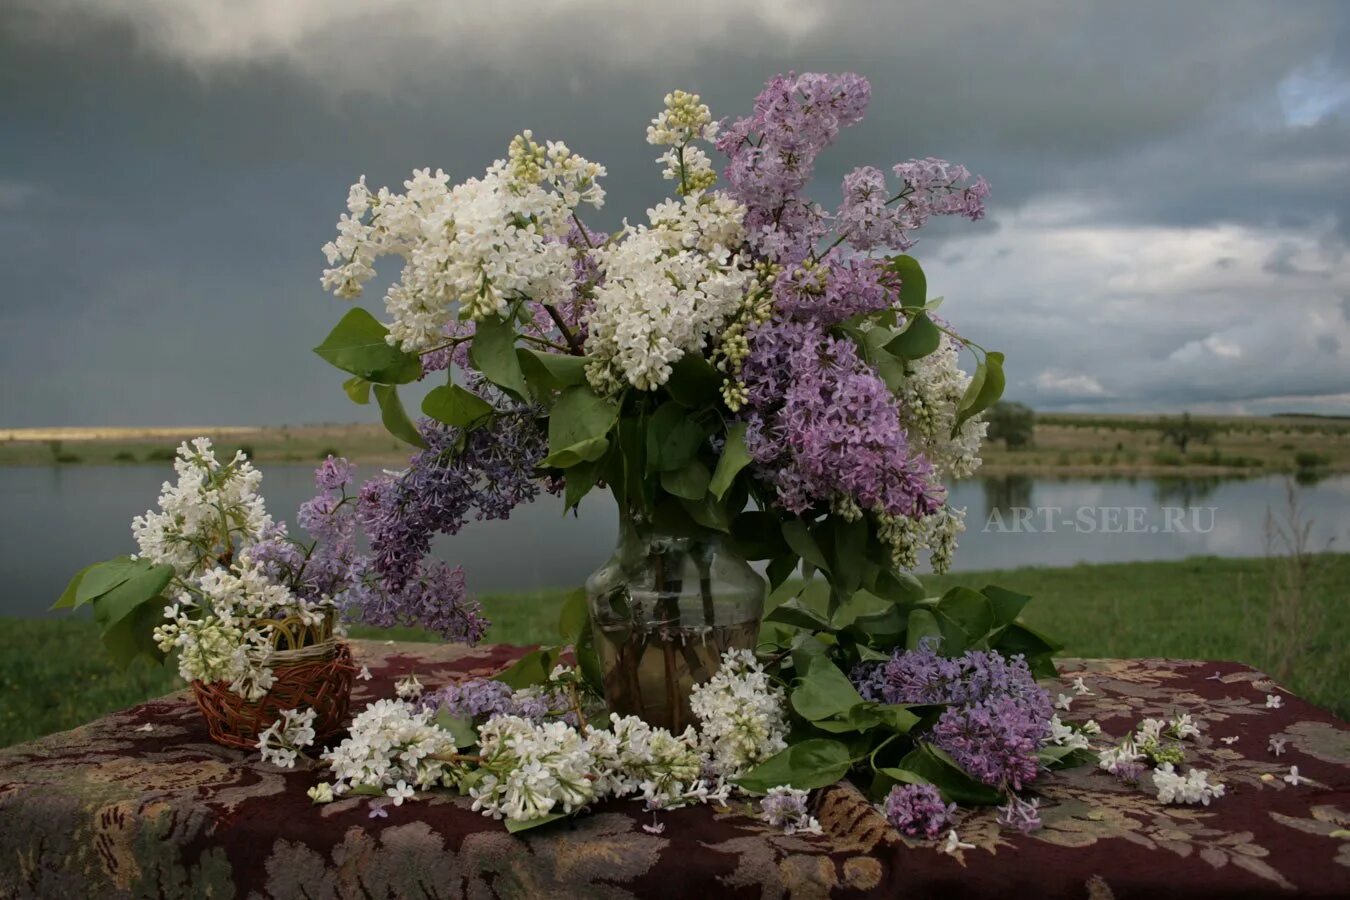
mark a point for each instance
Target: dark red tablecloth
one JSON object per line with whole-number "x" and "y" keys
{"x": 116, "y": 808}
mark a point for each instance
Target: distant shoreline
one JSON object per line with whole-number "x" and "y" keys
{"x": 1065, "y": 445}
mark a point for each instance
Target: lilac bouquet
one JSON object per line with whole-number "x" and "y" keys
{"x": 744, "y": 362}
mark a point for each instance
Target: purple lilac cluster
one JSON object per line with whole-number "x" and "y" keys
{"x": 917, "y": 810}
{"x": 772, "y": 155}
{"x": 997, "y": 716}
{"x": 830, "y": 291}
{"x": 480, "y": 699}
{"x": 823, "y": 426}
{"x": 870, "y": 217}
{"x": 486, "y": 472}
{"x": 328, "y": 567}
{"x": 432, "y": 595}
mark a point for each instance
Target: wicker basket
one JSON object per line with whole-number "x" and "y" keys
{"x": 310, "y": 668}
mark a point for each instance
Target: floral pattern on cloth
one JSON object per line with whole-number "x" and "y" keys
{"x": 112, "y": 809}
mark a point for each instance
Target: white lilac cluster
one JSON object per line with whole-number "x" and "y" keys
{"x": 1075, "y": 737}
{"x": 529, "y": 769}
{"x": 741, "y": 715}
{"x": 283, "y": 741}
{"x": 670, "y": 285}
{"x": 204, "y": 528}
{"x": 684, "y": 120}
{"x": 525, "y": 768}
{"x": 471, "y": 250}
{"x": 392, "y": 741}
{"x": 1193, "y": 787}
{"x": 667, "y": 288}
{"x": 908, "y": 538}
{"x": 1147, "y": 745}
{"x": 665, "y": 769}
{"x": 209, "y": 499}
{"x": 929, "y": 398}
{"x": 215, "y": 624}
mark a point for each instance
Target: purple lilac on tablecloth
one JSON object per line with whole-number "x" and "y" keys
{"x": 917, "y": 810}
{"x": 997, "y": 718}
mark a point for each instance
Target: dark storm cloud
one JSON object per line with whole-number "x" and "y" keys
{"x": 1162, "y": 173}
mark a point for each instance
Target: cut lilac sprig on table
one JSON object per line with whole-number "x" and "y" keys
{"x": 917, "y": 810}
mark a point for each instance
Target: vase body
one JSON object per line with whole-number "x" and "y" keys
{"x": 663, "y": 610}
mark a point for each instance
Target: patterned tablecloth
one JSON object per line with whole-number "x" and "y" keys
{"x": 141, "y": 803}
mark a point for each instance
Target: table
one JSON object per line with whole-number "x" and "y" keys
{"x": 141, "y": 803}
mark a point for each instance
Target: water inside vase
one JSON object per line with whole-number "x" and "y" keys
{"x": 650, "y": 671}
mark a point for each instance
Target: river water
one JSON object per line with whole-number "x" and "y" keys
{"x": 55, "y": 519}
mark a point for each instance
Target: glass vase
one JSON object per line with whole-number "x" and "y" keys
{"x": 663, "y": 609}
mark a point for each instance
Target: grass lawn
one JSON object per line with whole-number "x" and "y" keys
{"x": 54, "y": 674}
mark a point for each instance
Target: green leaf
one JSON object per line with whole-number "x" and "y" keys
{"x": 67, "y": 598}
{"x": 577, "y": 427}
{"x": 357, "y": 344}
{"x": 758, "y": 535}
{"x": 734, "y": 457}
{"x": 1057, "y": 757}
{"x": 456, "y": 406}
{"x": 897, "y": 717}
{"x": 694, "y": 382}
{"x": 358, "y": 389}
{"x": 897, "y": 587}
{"x": 123, "y": 598}
{"x": 101, "y": 578}
{"x": 796, "y": 613}
{"x": 691, "y": 482}
{"x": 579, "y": 480}
{"x": 881, "y": 630}
{"x": 128, "y": 614}
{"x": 673, "y": 438}
{"x": 824, "y": 692}
{"x": 460, "y": 728}
{"x": 575, "y": 618}
{"x": 921, "y": 624}
{"x": 940, "y": 770}
{"x": 970, "y": 610}
{"x": 848, "y": 554}
{"x": 913, "y": 284}
{"x": 1035, "y": 646}
{"x": 395, "y": 419}
{"x": 859, "y": 718}
{"x": 493, "y": 352}
{"x": 921, "y": 338}
{"x": 890, "y": 368}
{"x": 708, "y": 513}
{"x": 780, "y": 570}
{"x": 985, "y": 387}
{"x": 531, "y": 669}
{"x": 1019, "y": 637}
{"x": 515, "y": 826}
{"x": 1005, "y": 603}
{"x": 806, "y": 765}
{"x": 553, "y": 371}
{"x": 798, "y": 537}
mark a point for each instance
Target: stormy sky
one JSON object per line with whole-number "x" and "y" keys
{"x": 1168, "y": 227}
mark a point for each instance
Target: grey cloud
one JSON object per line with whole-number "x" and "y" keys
{"x": 193, "y": 157}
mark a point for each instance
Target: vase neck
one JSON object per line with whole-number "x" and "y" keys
{"x": 636, "y": 529}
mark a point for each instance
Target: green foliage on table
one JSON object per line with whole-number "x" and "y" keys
{"x": 813, "y": 641}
